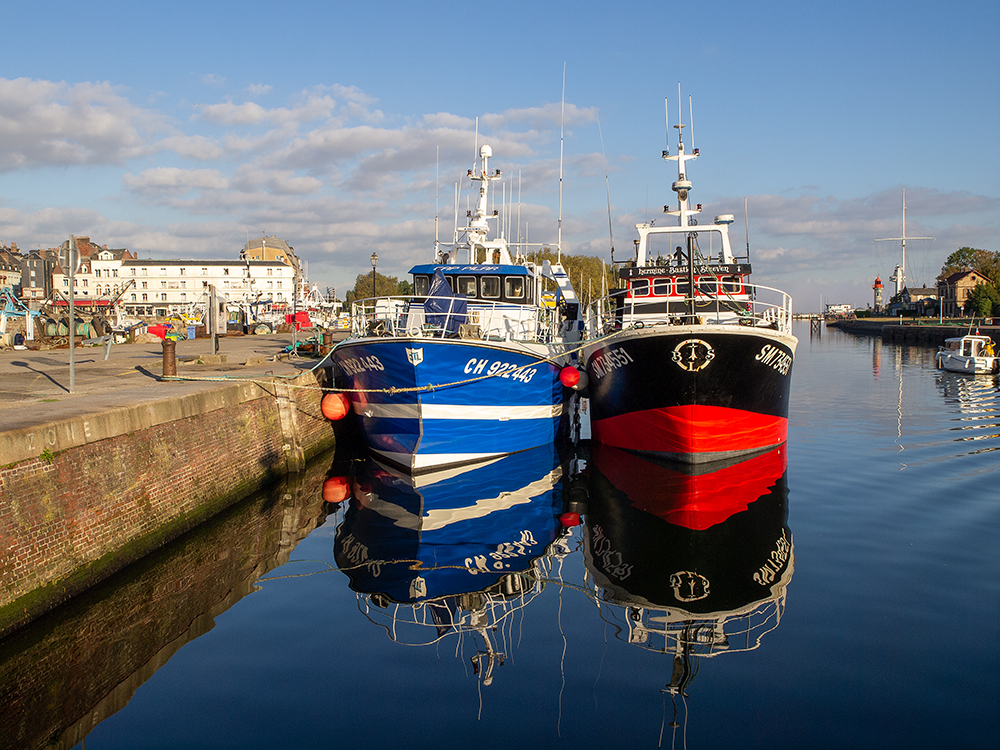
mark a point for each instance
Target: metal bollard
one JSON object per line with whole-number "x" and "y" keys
{"x": 327, "y": 341}
{"x": 169, "y": 358}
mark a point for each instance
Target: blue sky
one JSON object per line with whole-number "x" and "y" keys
{"x": 177, "y": 129}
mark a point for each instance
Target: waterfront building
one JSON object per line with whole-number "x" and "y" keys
{"x": 954, "y": 290}
{"x": 36, "y": 275}
{"x": 920, "y": 301}
{"x": 273, "y": 248}
{"x": 97, "y": 272}
{"x": 163, "y": 287}
{"x": 158, "y": 288}
{"x": 10, "y": 267}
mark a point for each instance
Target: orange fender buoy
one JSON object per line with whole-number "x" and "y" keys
{"x": 335, "y": 406}
{"x": 336, "y": 490}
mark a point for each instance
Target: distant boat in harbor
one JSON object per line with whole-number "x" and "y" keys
{"x": 972, "y": 354}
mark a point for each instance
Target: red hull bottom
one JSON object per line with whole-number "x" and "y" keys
{"x": 692, "y": 433}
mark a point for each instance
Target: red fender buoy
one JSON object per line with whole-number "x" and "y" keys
{"x": 569, "y": 519}
{"x": 336, "y": 489}
{"x": 569, "y": 376}
{"x": 335, "y": 406}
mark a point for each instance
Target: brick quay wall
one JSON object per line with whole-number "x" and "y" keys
{"x": 67, "y": 671}
{"x": 83, "y": 497}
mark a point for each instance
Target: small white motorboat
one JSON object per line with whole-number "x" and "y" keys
{"x": 972, "y": 354}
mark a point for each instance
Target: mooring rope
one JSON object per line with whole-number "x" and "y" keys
{"x": 392, "y": 390}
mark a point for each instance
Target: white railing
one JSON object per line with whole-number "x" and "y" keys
{"x": 489, "y": 321}
{"x": 756, "y": 306}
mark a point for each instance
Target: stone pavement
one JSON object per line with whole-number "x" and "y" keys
{"x": 34, "y": 385}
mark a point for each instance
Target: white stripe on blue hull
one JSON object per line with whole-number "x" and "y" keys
{"x": 457, "y": 411}
{"x": 426, "y": 462}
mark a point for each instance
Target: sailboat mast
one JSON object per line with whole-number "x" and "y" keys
{"x": 562, "y": 130}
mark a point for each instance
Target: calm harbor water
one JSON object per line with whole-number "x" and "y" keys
{"x": 843, "y": 592}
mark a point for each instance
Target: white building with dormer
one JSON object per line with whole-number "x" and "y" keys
{"x": 158, "y": 288}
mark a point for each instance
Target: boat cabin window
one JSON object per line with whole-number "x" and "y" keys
{"x": 681, "y": 287}
{"x": 732, "y": 284}
{"x": 467, "y": 285}
{"x": 640, "y": 287}
{"x": 513, "y": 287}
{"x": 661, "y": 286}
{"x": 708, "y": 285}
{"x": 421, "y": 284}
{"x": 491, "y": 287}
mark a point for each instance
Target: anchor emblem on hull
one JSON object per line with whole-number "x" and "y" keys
{"x": 689, "y": 586}
{"x": 693, "y": 354}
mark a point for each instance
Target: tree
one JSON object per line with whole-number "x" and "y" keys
{"x": 585, "y": 273}
{"x": 972, "y": 259}
{"x": 983, "y": 301}
{"x": 385, "y": 286}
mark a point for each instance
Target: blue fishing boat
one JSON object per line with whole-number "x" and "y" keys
{"x": 454, "y": 552}
{"x": 467, "y": 368}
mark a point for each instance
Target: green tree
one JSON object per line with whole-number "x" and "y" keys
{"x": 983, "y": 301}
{"x": 385, "y": 286}
{"x": 972, "y": 259}
{"x": 585, "y": 273}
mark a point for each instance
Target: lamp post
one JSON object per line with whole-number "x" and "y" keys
{"x": 374, "y": 263}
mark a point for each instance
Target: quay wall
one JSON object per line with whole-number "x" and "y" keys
{"x": 84, "y": 497}
{"x": 69, "y": 670}
{"x": 914, "y": 333}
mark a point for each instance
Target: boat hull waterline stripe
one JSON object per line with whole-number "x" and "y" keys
{"x": 456, "y": 411}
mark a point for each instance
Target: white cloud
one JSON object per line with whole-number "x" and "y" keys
{"x": 174, "y": 181}
{"x": 196, "y": 147}
{"x": 228, "y": 113}
{"x": 448, "y": 120}
{"x": 213, "y": 80}
{"x": 276, "y": 182}
{"x": 46, "y": 123}
{"x": 259, "y": 89}
{"x": 547, "y": 116}
{"x": 309, "y": 107}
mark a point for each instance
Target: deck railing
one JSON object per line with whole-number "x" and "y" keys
{"x": 483, "y": 319}
{"x": 756, "y": 306}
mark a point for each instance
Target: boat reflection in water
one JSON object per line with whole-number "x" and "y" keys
{"x": 451, "y": 552}
{"x": 977, "y": 401}
{"x": 697, "y": 561}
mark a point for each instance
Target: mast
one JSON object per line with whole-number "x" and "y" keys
{"x": 682, "y": 185}
{"x": 478, "y": 228}
{"x": 562, "y": 130}
{"x": 899, "y": 275}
